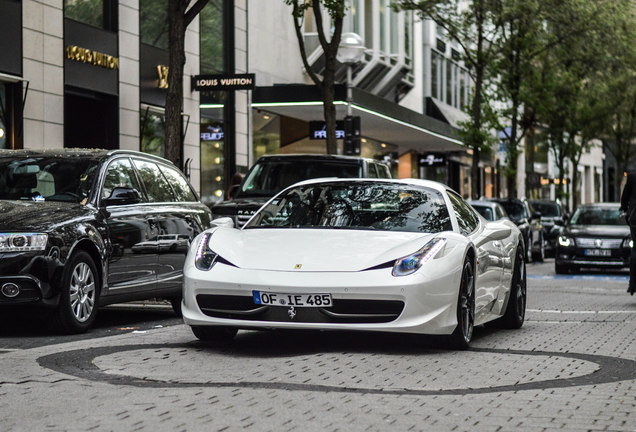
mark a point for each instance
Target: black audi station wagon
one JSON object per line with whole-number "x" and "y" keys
{"x": 86, "y": 228}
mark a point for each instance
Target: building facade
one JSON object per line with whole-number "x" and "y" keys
{"x": 93, "y": 73}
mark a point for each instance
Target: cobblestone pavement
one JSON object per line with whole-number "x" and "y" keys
{"x": 571, "y": 367}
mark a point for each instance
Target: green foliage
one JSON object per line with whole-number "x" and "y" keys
{"x": 87, "y": 11}
{"x": 211, "y": 33}
{"x": 153, "y": 22}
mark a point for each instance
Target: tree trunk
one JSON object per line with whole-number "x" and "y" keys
{"x": 513, "y": 153}
{"x": 329, "y": 109}
{"x": 174, "y": 98}
{"x": 475, "y": 136}
{"x": 575, "y": 182}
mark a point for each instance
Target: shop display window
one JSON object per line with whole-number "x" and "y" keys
{"x": 97, "y": 13}
{"x": 153, "y": 129}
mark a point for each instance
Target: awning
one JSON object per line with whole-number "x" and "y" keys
{"x": 381, "y": 120}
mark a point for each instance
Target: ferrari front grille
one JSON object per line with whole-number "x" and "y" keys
{"x": 342, "y": 311}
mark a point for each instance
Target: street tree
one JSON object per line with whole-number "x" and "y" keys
{"x": 475, "y": 28}
{"x": 567, "y": 82}
{"x": 335, "y": 9}
{"x": 523, "y": 38}
{"x": 620, "y": 95}
{"x": 180, "y": 14}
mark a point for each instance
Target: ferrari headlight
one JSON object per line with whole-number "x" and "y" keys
{"x": 22, "y": 242}
{"x": 566, "y": 241}
{"x": 410, "y": 264}
{"x": 205, "y": 257}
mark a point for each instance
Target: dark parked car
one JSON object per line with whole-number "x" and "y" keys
{"x": 552, "y": 218}
{"x": 529, "y": 222}
{"x": 85, "y": 228}
{"x": 490, "y": 210}
{"x": 595, "y": 236}
{"x": 271, "y": 174}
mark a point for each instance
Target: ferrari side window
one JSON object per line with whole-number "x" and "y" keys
{"x": 466, "y": 219}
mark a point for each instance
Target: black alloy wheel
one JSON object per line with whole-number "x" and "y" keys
{"x": 175, "y": 302}
{"x": 216, "y": 334}
{"x": 539, "y": 255}
{"x": 79, "y": 293}
{"x": 461, "y": 337}
{"x": 515, "y": 313}
{"x": 528, "y": 257}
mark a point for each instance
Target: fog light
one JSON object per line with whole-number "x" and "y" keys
{"x": 10, "y": 290}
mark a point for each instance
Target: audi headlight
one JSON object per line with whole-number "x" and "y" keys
{"x": 628, "y": 243}
{"x": 409, "y": 264}
{"x": 22, "y": 242}
{"x": 566, "y": 241}
{"x": 205, "y": 257}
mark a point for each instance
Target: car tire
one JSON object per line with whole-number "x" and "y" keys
{"x": 515, "y": 313}
{"x": 539, "y": 255}
{"x": 561, "y": 268}
{"x": 217, "y": 334}
{"x": 461, "y": 337}
{"x": 79, "y": 294}
{"x": 175, "y": 302}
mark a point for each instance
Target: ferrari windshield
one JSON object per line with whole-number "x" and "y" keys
{"x": 269, "y": 177}
{"x": 46, "y": 178}
{"x": 359, "y": 206}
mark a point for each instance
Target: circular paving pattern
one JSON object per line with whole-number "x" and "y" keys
{"x": 428, "y": 373}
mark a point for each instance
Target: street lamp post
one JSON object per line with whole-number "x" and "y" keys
{"x": 350, "y": 52}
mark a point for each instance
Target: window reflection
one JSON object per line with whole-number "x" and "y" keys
{"x": 153, "y": 22}
{"x": 360, "y": 206}
{"x": 153, "y": 124}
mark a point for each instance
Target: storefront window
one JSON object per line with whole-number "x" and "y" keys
{"x": 153, "y": 124}
{"x": 449, "y": 82}
{"x": 153, "y": 23}
{"x": 434, "y": 74}
{"x": 266, "y": 133}
{"x": 211, "y": 31}
{"x": 3, "y": 118}
{"x": 97, "y": 13}
{"x": 212, "y": 155}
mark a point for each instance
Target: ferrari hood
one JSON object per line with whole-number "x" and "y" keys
{"x": 313, "y": 250}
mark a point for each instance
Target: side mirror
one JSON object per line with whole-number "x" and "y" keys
{"x": 497, "y": 231}
{"x": 234, "y": 190}
{"x": 225, "y": 222}
{"x": 122, "y": 196}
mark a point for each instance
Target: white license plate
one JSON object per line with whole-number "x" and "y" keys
{"x": 296, "y": 300}
{"x": 598, "y": 252}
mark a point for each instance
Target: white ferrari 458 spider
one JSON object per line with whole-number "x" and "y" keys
{"x": 376, "y": 255}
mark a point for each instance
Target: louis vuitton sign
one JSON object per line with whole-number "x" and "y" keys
{"x": 83, "y": 55}
{"x": 223, "y": 82}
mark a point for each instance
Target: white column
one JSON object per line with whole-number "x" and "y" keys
{"x": 192, "y": 141}
{"x": 43, "y": 68}
{"x": 129, "y": 128}
{"x": 243, "y": 116}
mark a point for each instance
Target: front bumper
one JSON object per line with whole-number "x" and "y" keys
{"x": 33, "y": 274}
{"x": 372, "y": 300}
{"x": 575, "y": 256}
